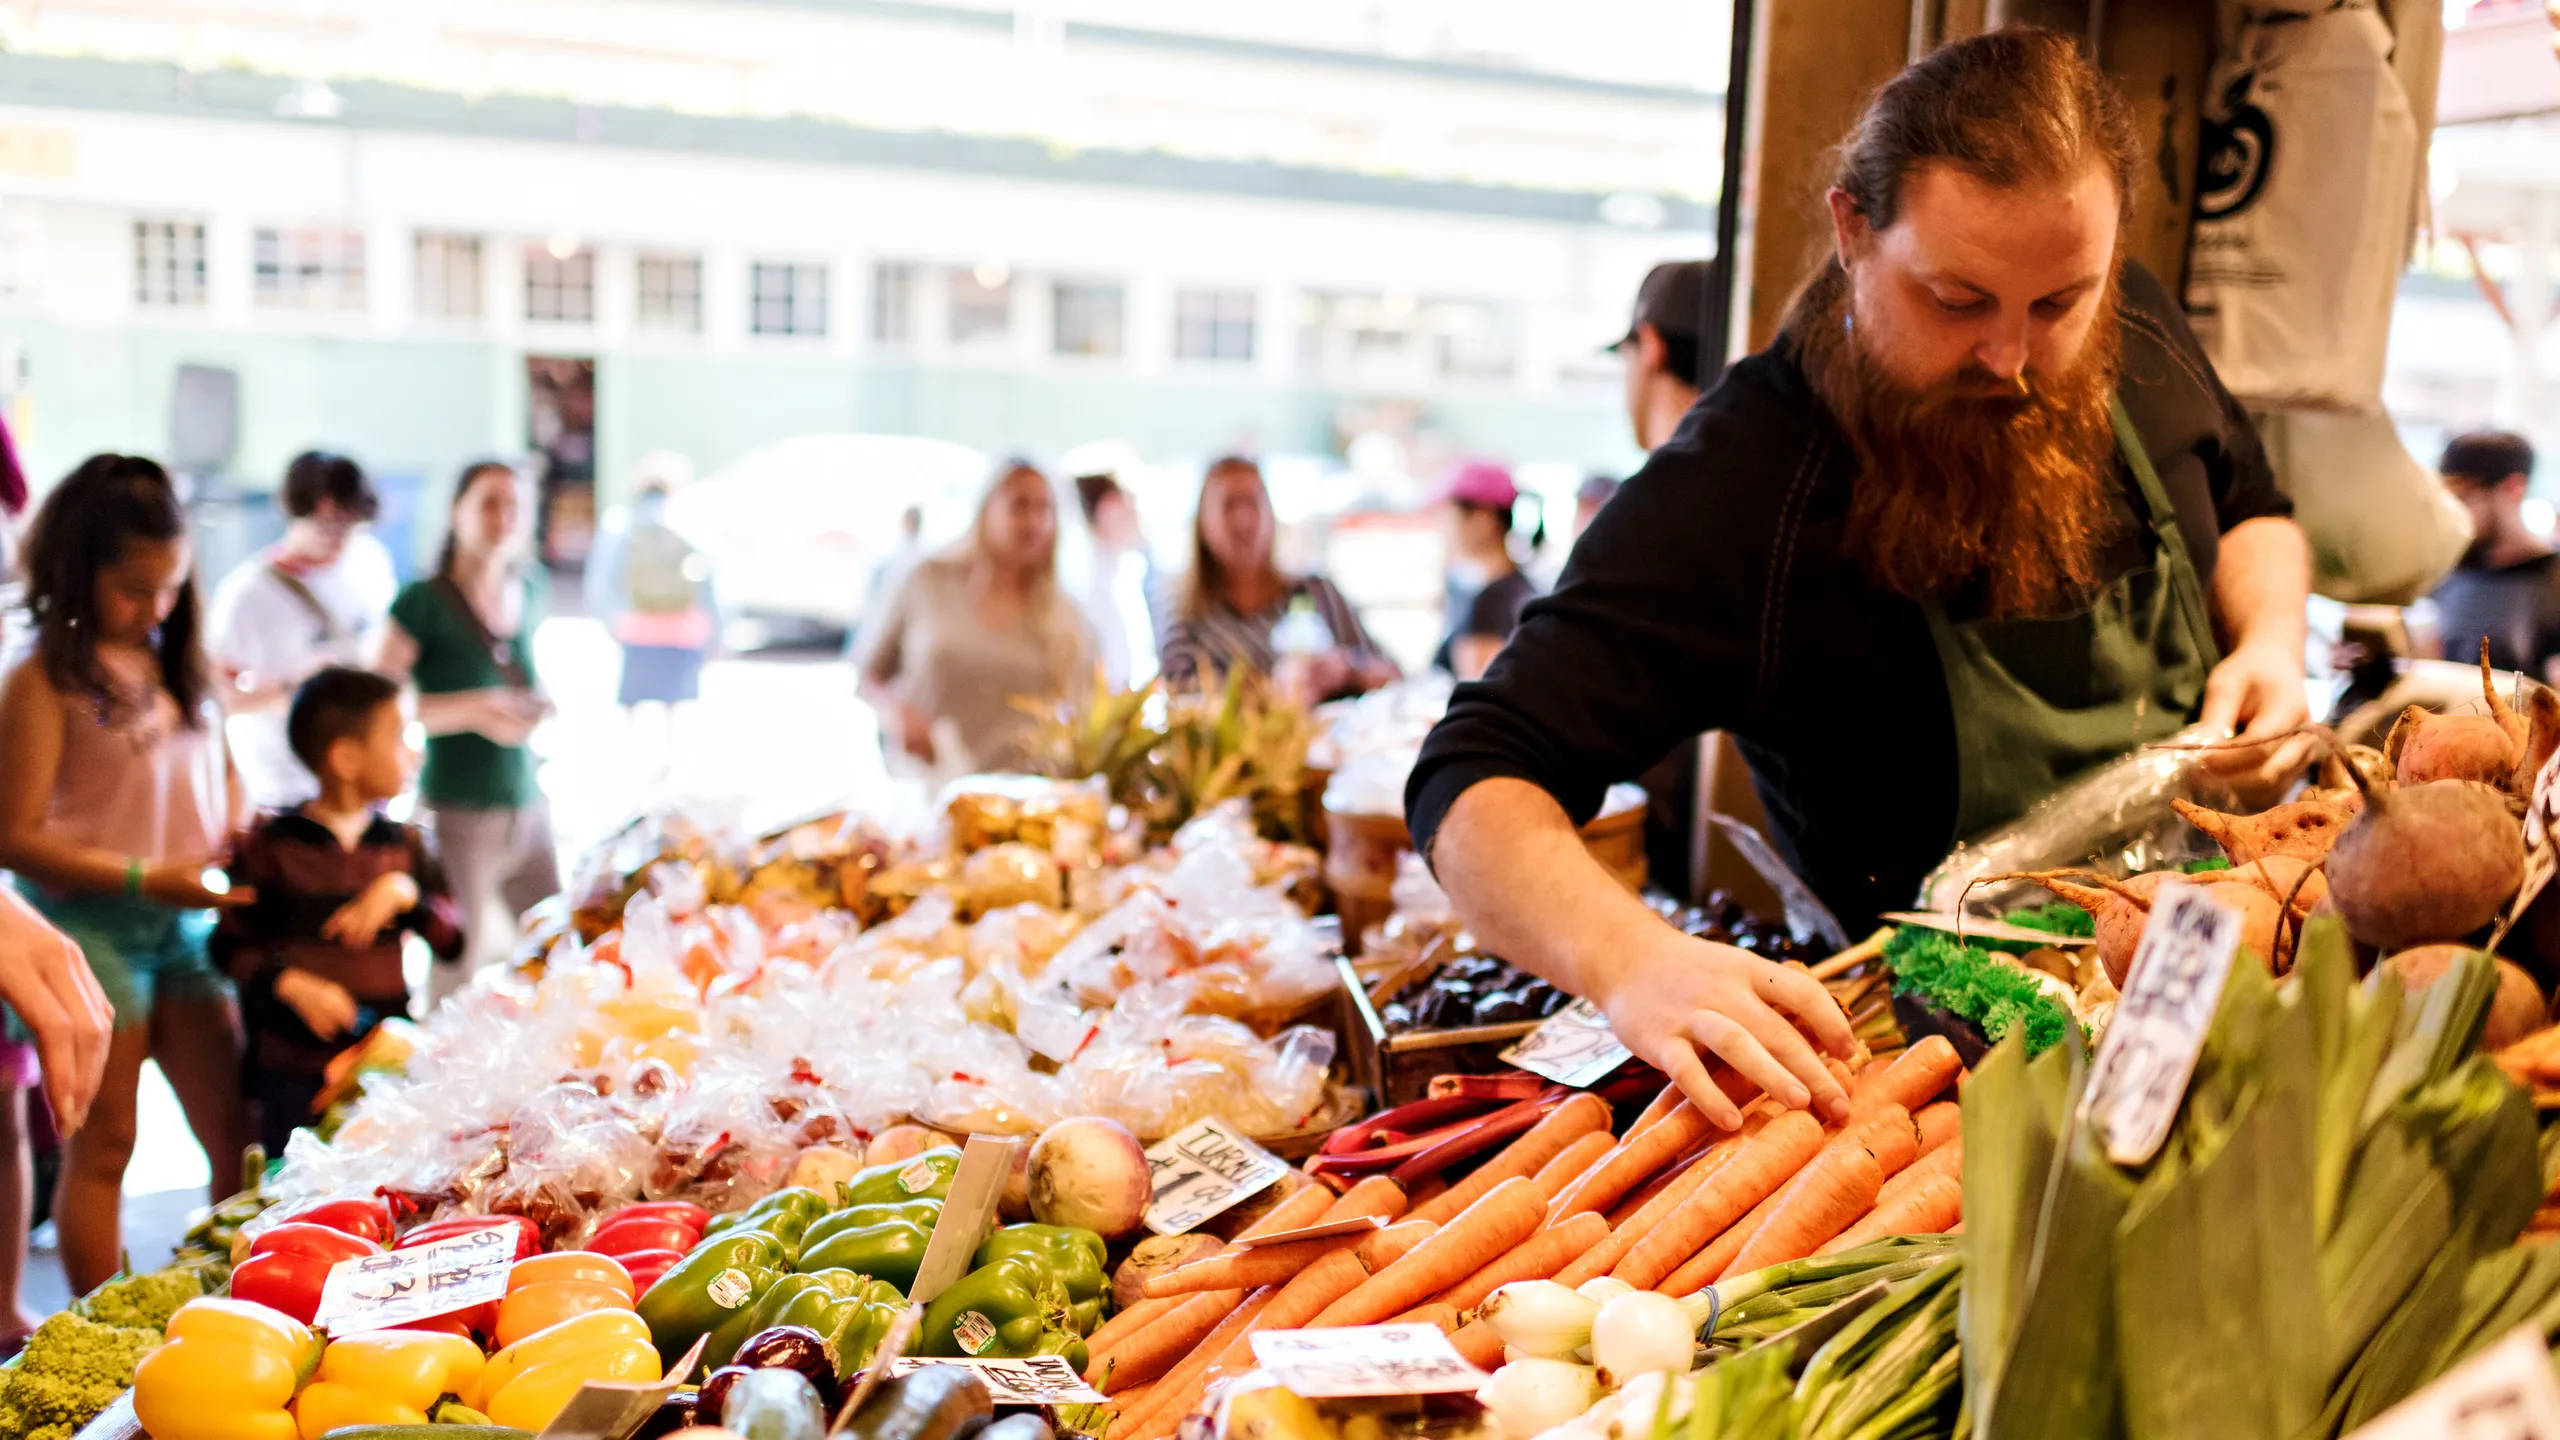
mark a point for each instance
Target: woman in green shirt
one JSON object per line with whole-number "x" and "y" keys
{"x": 464, "y": 636}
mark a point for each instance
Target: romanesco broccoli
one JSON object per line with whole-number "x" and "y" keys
{"x": 143, "y": 1302}
{"x": 71, "y": 1369}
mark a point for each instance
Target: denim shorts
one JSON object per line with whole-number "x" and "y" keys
{"x": 140, "y": 952}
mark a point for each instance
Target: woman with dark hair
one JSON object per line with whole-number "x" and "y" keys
{"x": 1229, "y": 608}
{"x": 1486, "y": 587}
{"x": 307, "y": 602}
{"x": 115, "y": 799}
{"x": 971, "y": 631}
{"x": 463, "y": 636}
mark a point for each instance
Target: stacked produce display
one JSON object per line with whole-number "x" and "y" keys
{"x": 712, "y": 1126}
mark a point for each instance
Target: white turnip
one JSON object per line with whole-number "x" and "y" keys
{"x": 1090, "y": 1172}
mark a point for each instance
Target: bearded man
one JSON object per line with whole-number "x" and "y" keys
{"x": 1981, "y": 519}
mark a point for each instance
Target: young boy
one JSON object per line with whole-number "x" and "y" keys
{"x": 317, "y": 953}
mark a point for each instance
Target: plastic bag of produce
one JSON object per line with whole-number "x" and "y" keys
{"x": 570, "y": 1152}
{"x": 722, "y": 1146}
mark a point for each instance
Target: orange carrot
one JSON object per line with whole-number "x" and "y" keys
{"x": 1664, "y": 1101}
{"x": 1885, "y": 1133}
{"x": 1246, "y": 1268}
{"x": 1637, "y": 1156}
{"x": 1182, "y": 1389}
{"x": 1915, "y": 1077}
{"x": 1376, "y": 1195}
{"x": 1947, "y": 1159}
{"x": 1582, "y": 1115}
{"x": 1758, "y": 1168}
{"x": 1701, "y": 1270}
{"x": 1547, "y": 1252}
{"x": 1324, "y": 1282}
{"x": 1926, "y": 1207}
{"x": 1572, "y": 1163}
{"x": 1490, "y": 1227}
{"x": 1835, "y": 1189}
{"x": 1162, "y": 1345}
{"x": 1436, "y": 1312}
{"x": 1300, "y": 1209}
{"x": 1625, "y": 1235}
{"x": 1937, "y": 1123}
{"x": 1668, "y": 1176}
{"x": 1479, "y": 1343}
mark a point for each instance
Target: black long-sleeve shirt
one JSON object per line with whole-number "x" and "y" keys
{"x": 1713, "y": 592}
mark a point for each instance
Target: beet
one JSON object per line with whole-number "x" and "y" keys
{"x": 2425, "y": 862}
{"x": 2304, "y": 829}
{"x": 2515, "y": 1012}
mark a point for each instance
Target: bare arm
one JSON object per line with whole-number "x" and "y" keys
{"x": 1510, "y": 858}
{"x": 31, "y": 721}
{"x": 2261, "y": 590}
{"x": 1469, "y": 658}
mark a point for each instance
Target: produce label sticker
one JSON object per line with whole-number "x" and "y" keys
{"x": 1574, "y": 1046}
{"x": 986, "y": 1162}
{"x": 1031, "y": 1380}
{"x": 2505, "y": 1392}
{"x": 1364, "y": 1360}
{"x": 616, "y": 1409}
{"x": 377, "y": 1292}
{"x": 2149, "y": 1052}
{"x": 1203, "y": 1170}
{"x": 2541, "y": 845}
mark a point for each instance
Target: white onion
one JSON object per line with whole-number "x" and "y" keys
{"x": 1639, "y": 1334}
{"x": 1529, "y": 1397}
{"x": 1604, "y": 1288}
{"x": 1540, "y": 1317}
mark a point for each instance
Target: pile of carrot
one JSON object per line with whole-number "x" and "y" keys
{"x": 1671, "y": 1204}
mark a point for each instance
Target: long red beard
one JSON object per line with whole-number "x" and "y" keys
{"x": 1970, "y": 487}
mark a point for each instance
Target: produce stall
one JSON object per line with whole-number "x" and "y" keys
{"x": 2248, "y": 1144}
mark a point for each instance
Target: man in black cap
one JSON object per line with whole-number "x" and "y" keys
{"x": 1665, "y": 372}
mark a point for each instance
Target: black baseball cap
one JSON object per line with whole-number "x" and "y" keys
{"x": 1672, "y": 297}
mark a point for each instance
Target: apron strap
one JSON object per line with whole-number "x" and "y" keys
{"x": 2175, "y": 562}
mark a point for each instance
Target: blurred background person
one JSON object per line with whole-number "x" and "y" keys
{"x": 463, "y": 636}
{"x": 1588, "y": 497}
{"x": 116, "y": 797}
{"x": 1486, "y": 586}
{"x": 893, "y": 567}
{"x": 967, "y": 633}
{"x": 1229, "y": 609}
{"x": 311, "y": 600}
{"x": 1665, "y": 371}
{"x": 652, "y": 589}
{"x": 2507, "y": 588}
{"x": 1119, "y": 583}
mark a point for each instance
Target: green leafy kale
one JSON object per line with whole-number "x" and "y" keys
{"x": 1972, "y": 985}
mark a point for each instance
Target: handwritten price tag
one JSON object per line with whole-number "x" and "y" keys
{"x": 1574, "y": 1047}
{"x": 1203, "y": 1170}
{"x": 377, "y": 1292}
{"x": 1032, "y": 1380}
{"x": 2541, "y": 846}
{"x": 2505, "y": 1392}
{"x": 1364, "y": 1360}
{"x": 2149, "y": 1052}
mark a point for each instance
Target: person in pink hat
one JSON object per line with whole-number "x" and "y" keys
{"x": 1479, "y": 501}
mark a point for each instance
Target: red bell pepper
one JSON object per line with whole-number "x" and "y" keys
{"x": 296, "y": 1237}
{"x": 368, "y": 1218}
{"x": 528, "y": 1236}
{"x": 681, "y": 1210}
{"x": 288, "y": 1266}
{"x": 646, "y": 1266}
{"x": 625, "y": 1236}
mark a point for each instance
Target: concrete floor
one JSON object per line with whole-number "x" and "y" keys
{"x": 775, "y": 735}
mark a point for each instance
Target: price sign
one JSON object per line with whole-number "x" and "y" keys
{"x": 1202, "y": 1170}
{"x": 2149, "y": 1052}
{"x": 1364, "y": 1360}
{"x": 2505, "y": 1392}
{"x": 968, "y": 1212}
{"x": 377, "y": 1292}
{"x": 1032, "y": 1380}
{"x": 2541, "y": 846}
{"x": 1574, "y": 1047}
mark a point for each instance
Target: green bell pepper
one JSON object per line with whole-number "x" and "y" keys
{"x": 786, "y": 1213}
{"x": 707, "y": 1290}
{"x": 886, "y": 1241}
{"x": 922, "y": 1176}
{"x": 852, "y": 1311}
{"x": 1076, "y": 1256}
{"x": 1011, "y": 1308}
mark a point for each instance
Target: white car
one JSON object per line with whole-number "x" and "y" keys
{"x": 797, "y": 529}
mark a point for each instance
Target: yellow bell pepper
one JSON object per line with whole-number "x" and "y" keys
{"x": 229, "y": 1371}
{"x": 387, "y": 1377}
{"x": 529, "y": 1383}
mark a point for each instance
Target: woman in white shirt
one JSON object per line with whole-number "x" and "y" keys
{"x": 317, "y": 597}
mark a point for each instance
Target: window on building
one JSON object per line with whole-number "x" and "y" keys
{"x": 1210, "y": 324}
{"x": 1086, "y": 318}
{"x": 670, "y": 293}
{"x": 448, "y": 279}
{"x": 893, "y": 303}
{"x": 560, "y": 284}
{"x": 308, "y": 268}
{"x": 981, "y": 305}
{"x": 788, "y": 299}
{"x": 168, "y": 262}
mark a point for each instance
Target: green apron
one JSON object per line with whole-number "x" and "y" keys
{"x": 2039, "y": 701}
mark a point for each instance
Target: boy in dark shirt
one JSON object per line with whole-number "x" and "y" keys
{"x": 317, "y": 953}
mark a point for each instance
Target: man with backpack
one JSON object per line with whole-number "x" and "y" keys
{"x": 652, "y": 588}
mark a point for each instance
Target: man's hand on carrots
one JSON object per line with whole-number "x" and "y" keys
{"x": 1686, "y": 999}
